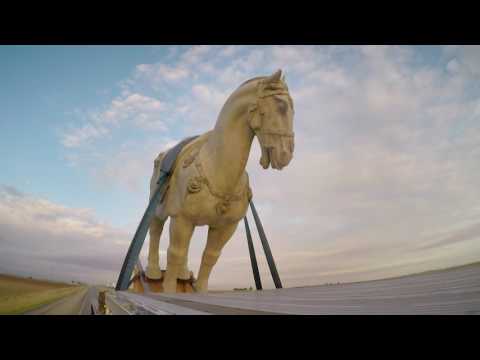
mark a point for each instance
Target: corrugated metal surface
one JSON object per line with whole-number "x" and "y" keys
{"x": 454, "y": 291}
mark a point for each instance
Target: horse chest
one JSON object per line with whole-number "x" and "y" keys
{"x": 193, "y": 196}
{"x": 205, "y": 209}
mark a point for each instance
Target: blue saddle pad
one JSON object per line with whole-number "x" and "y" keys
{"x": 169, "y": 159}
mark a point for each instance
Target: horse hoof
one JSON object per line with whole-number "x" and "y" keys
{"x": 169, "y": 284}
{"x": 153, "y": 273}
{"x": 169, "y": 288}
{"x": 200, "y": 288}
{"x": 185, "y": 275}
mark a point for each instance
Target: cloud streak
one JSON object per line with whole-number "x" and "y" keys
{"x": 141, "y": 111}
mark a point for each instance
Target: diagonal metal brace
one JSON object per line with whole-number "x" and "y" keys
{"x": 266, "y": 248}
{"x": 253, "y": 258}
{"x": 139, "y": 238}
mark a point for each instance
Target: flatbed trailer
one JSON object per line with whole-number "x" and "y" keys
{"x": 454, "y": 291}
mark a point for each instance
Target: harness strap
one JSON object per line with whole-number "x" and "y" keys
{"x": 264, "y": 91}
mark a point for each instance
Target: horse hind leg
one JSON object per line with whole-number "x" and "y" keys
{"x": 181, "y": 231}
{"x": 217, "y": 238}
{"x": 153, "y": 270}
{"x": 184, "y": 272}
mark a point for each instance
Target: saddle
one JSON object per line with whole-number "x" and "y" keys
{"x": 170, "y": 157}
{"x": 167, "y": 161}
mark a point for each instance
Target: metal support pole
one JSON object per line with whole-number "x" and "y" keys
{"x": 253, "y": 258}
{"x": 266, "y": 248}
{"x": 139, "y": 238}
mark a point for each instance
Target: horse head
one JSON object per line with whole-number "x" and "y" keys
{"x": 271, "y": 119}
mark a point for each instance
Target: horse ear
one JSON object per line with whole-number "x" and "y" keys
{"x": 275, "y": 77}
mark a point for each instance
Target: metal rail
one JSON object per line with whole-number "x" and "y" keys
{"x": 253, "y": 258}
{"x": 266, "y": 248}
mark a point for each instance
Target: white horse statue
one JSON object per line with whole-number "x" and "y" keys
{"x": 209, "y": 184}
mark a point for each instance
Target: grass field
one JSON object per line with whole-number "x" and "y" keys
{"x": 19, "y": 295}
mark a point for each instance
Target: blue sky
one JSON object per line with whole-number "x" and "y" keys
{"x": 42, "y": 88}
{"x": 385, "y": 168}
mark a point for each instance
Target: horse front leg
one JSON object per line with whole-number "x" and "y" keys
{"x": 153, "y": 267}
{"x": 181, "y": 231}
{"x": 185, "y": 273}
{"x": 217, "y": 238}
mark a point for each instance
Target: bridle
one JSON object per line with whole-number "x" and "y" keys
{"x": 265, "y": 90}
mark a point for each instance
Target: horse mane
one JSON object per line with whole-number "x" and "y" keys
{"x": 250, "y": 80}
{"x": 283, "y": 84}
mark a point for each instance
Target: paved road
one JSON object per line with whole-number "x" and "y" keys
{"x": 76, "y": 304}
{"x": 452, "y": 291}
{"x": 90, "y": 298}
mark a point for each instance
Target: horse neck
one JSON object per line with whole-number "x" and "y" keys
{"x": 226, "y": 152}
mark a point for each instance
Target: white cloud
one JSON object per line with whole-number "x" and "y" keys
{"x": 209, "y": 96}
{"x": 230, "y": 50}
{"x": 464, "y": 60}
{"x": 471, "y": 58}
{"x": 143, "y": 112}
{"x": 83, "y": 134}
{"x": 131, "y": 166}
{"x": 453, "y": 66}
{"x": 43, "y": 238}
{"x": 195, "y": 54}
{"x": 162, "y": 72}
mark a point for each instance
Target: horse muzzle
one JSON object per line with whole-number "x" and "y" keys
{"x": 277, "y": 150}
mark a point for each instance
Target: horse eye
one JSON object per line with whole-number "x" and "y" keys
{"x": 282, "y": 105}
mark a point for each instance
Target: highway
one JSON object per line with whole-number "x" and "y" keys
{"x": 76, "y": 304}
